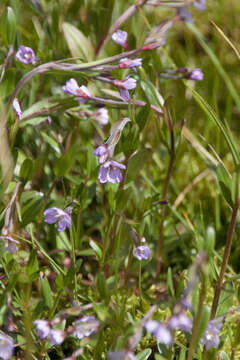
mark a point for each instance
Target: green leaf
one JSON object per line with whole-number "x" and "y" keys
{"x": 136, "y": 163}
{"x": 152, "y": 94}
{"x": 144, "y": 355}
{"x": 78, "y": 44}
{"x": 226, "y": 299}
{"x": 8, "y": 26}
{"x": 32, "y": 265}
{"x": 225, "y": 184}
{"x": 26, "y": 170}
{"x": 142, "y": 116}
{"x": 103, "y": 288}
{"x": 203, "y": 322}
{"x": 96, "y": 249}
{"x": 46, "y": 292}
{"x": 170, "y": 283}
{"x": 52, "y": 142}
{"x": 31, "y": 203}
{"x": 65, "y": 162}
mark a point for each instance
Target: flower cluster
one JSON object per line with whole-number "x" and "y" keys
{"x": 81, "y": 328}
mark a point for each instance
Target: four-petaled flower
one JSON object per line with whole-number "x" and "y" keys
{"x": 142, "y": 252}
{"x": 26, "y": 55}
{"x": 111, "y": 171}
{"x": 160, "y": 331}
{"x": 17, "y": 108}
{"x": 129, "y": 63}
{"x": 6, "y": 346}
{"x": 42, "y": 328}
{"x": 71, "y": 87}
{"x": 120, "y": 37}
{"x": 54, "y": 214}
{"x": 210, "y": 337}
{"x": 124, "y": 85}
{"x": 85, "y": 326}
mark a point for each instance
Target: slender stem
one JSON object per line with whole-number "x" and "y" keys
{"x": 165, "y": 191}
{"x": 197, "y": 320}
{"x": 140, "y": 279}
{"x": 226, "y": 254}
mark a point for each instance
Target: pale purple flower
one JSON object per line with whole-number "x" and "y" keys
{"x": 141, "y": 252}
{"x": 54, "y": 214}
{"x": 42, "y": 328}
{"x": 85, "y": 326}
{"x": 124, "y": 85}
{"x": 102, "y": 153}
{"x": 180, "y": 322}
{"x": 17, "y": 108}
{"x": 56, "y": 337}
{"x": 196, "y": 74}
{"x": 159, "y": 331}
{"x": 110, "y": 171}
{"x": 129, "y": 63}
{"x": 6, "y": 346}
{"x": 200, "y": 5}
{"x": 26, "y": 55}
{"x": 210, "y": 337}
{"x": 184, "y": 14}
{"x": 102, "y": 116}
{"x": 120, "y": 37}
{"x": 71, "y": 87}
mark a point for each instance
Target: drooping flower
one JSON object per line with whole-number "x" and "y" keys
{"x": 102, "y": 116}
{"x": 160, "y": 331}
{"x": 102, "y": 153}
{"x": 210, "y": 337}
{"x": 129, "y": 63}
{"x": 43, "y": 328}
{"x": 85, "y": 326}
{"x": 17, "y": 108}
{"x": 180, "y": 322}
{"x": 26, "y": 55}
{"x": 196, "y": 74}
{"x": 6, "y": 346}
{"x": 56, "y": 337}
{"x": 110, "y": 171}
{"x": 124, "y": 85}
{"x": 54, "y": 214}
{"x": 71, "y": 87}
{"x": 120, "y": 37}
{"x": 141, "y": 252}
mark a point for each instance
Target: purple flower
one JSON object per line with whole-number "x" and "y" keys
{"x": 102, "y": 153}
{"x": 42, "y": 328}
{"x": 6, "y": 346}
{"x": 211, "y": 338}
{"x": 141, "y": 252}
{"x": 184, "y": 14}
{"x": 54, "y": 214}
{"x": 110, "y": 171}
{"x": 196, "y": 74}
{"x": 180, "y": 322}
{"x": 159, "y": 331}
{"x": 102, "y": 116}
{"x": 200, "y": 5}
{"x": 81, "y": 92}
{"x": 85, "y": 326}
{"x": 121, "y": 355}
{"x": 26, "y": 55}
{"x": 124, "y": 85}
{"x": 129, "y": 63}
{"x": 56, "y": 337}
{"x": 17, "y": 108}
{"x": 120, "y": 37}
